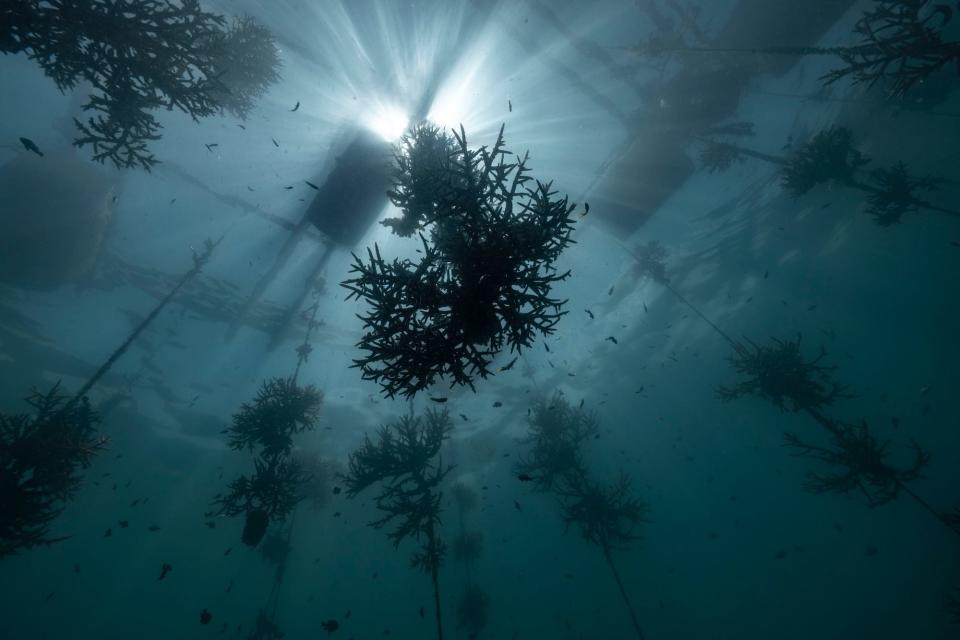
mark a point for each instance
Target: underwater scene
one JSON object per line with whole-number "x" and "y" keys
{"x": 480, "y": 319}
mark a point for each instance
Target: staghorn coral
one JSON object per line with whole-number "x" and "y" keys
{"x": 829, "y": 157}
{"x": 245, "y": 60}
{"x": 900, "y": 46}
{"x": 141, "y": 56}
{"x": 863, "y": 460}
{"x": 484, "y": 278}
{"x": 280, "y": 410}
{"x": 269, "y": 494}
{"x": 41, "y": 456}
{"x": 402, "y": 462}
{"x": 780, "y": 374}
{"x": 607, "y": 515}
{"x": 422, "y": 177}
{"x": 893, "y": 194}
{"x": 556, "y": 431}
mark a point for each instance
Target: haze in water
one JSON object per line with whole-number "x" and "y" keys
{"x": 479, "y": 320}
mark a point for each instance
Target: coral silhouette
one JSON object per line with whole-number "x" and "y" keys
{"x": 41, "y": 456}
{"x": 141, "y": 56}
{"x": 862, "y": 458}
{"x": 404, "y": 461}
{"x": 780, "y": 373}
{"x": 486, "y": 272}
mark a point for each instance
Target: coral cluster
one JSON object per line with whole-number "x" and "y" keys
{"x": 780, "y": 373}
{"x": 484, "y": 278}
{"x": 281, "y": 409}
{"x": 402, "y": 461}
{"x": 901, "y": 45}
{"x": 41, "y": 456}
{"x": 863, "y": 459}
{"x": 141, "y": 56}
{"x": 829, "y": 157}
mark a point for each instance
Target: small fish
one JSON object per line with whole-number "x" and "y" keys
{"x": 811, "y": 307}
{"x": 589, "y": 313}
{"x": 871, "y": 551}
{"x": 581, "y": 403}
{"x": 210, "y": 524}
{"x": 924, "y": 390}
{"x": 205, "y": 617}
{"x": 510, "y": 364}
{"x": 896, "y": 422}
{"x": 173, "y": 200}
{"x": 30, "y": 145}
{"x": 275, "y": 143}
{"x": 164, "y": 570}
{"x": 421, "y": 613}
{"x": 330, "y": 626}
{"x": 230, "y": 586}
{"x": 765, "y": 274}
{"x": 311, "y": 185}
{"x": 640, "y": 390}
{"x": 509, "y": 107}
{"x": 295, "y": 107}
{"x": 523, "y": 477}
{"x": 645, "y": 310}
{"x": 516, "y": 505}
{"x": 497, "y": 404}
{"x": 49, "y": 595}
{"x": 124, "y": 524}
{"x": 438, "y": 399}
{"x": 464, "y": 417}
{"x": 152, "y": 528}
{"x": 336, "y": 491}
{"x": 211, "y": 146}
{"x": 612, "y": 339}
{"x": 954, "y": 243}
{"x": 586, "y": 209}
{"x": 288, "y": 188}
{"x": 825, "y": 205}
{"x": 242, "y": 127}
{"x": 336, "y": 514}
{"x": 113, "y": 200}
{"x": 76, "y": 568}
{"x": 547, "y": 347}
{"x": 227, "y": 552}
{"x": 610, "y": 291}
{"x": 108, "y": 533}
{"x": 568, "y": 575}
{"x": 781, "y": 554}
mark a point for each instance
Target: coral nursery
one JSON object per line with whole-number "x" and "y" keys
{"x": 627, "y": 319}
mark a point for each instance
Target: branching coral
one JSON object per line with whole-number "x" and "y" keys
{"x": 863, "y": 458}
{"x": 894, "y": 193}
{"x": 41, "y": 455}
{"x": 280, "y": 410}
{"x": 829, "y": 157}
{"x": 422, "y": 177}
{"x": 901, "y": 45}
{"x": 779, "y": 373}
{"x": 401, "y": 461}
{"x": 607, "y": 515}
{"x": 556, "y": 433}
{"x": 269, "y": 494}
{"x": 245, "y": 60}
{"x": 486, "y": 272}
{"x": 141, "y": 56}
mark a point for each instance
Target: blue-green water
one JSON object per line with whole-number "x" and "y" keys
{"x": 735, "y": 546}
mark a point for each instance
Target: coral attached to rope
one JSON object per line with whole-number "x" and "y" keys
{"x": 484, "y": 279}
